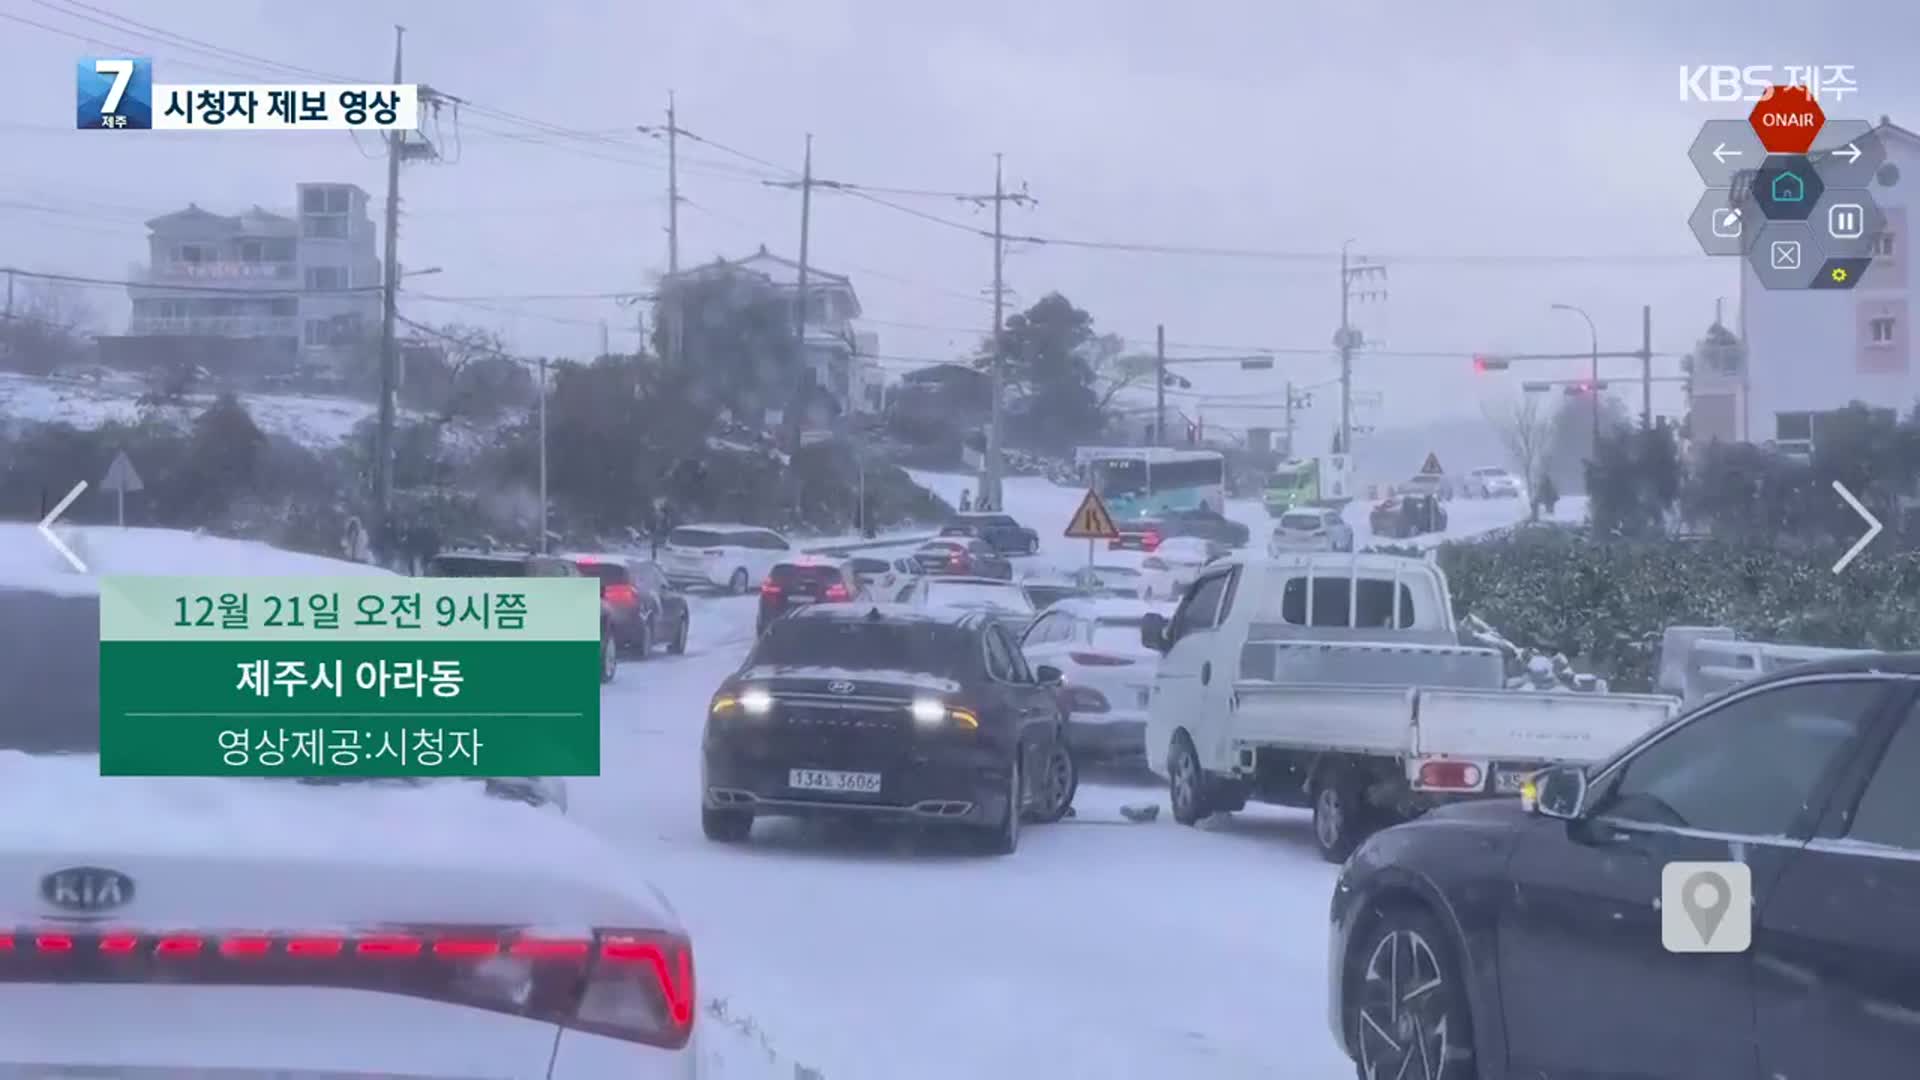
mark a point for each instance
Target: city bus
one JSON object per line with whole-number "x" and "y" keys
{"x": 1145, "y": 481}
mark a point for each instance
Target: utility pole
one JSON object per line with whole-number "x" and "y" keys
{"x": 673, "y": 188}
{"x": 543, "y": 455}
{"x": 1348, "y": 339}
{"x": 991, "y": 484}
{"x": 6, "y": 341}
{"x": 606, "y": 339}
{"x": 800, "y": 370}
{"x": 1160, "y": 385}
{"x": 1289, "y": 421}
{"x": 1646, "y": 366}
{"x": 389, "y": 347}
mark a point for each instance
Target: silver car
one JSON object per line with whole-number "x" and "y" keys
{"x": 1493, "y": 482}
{"x": 1311, "y": 529}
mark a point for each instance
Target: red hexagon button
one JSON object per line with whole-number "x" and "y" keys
{"x": 1786, "y": 119}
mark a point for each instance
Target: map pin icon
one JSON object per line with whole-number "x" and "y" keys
{"x": 1705, "y": 897}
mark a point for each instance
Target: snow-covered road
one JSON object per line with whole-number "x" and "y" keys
{"x": 1101, "y": 949}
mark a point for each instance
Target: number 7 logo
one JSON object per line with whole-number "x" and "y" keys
{"x": 122, "y": 72}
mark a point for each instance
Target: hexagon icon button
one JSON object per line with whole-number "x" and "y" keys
{"x": 1786, "y": 187}
{"x": 1849, "y": 222}
{"x": 1722, "y": 224}
{"x": 1848, "y": 154}
{"x": 1786, "y": 118}
{"x": 1784, "y": 254}
{"x": 1723, "y": 149}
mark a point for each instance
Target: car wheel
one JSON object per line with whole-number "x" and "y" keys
{"x": 1341, "y": 818}
{"x": 1058, "y": 785}
{"x": 678, "y": 646}
{"x": 1186, "y": 782}
{"x": 1406, "y": 1002}
{"x": 609, "y": 655}
{"x": 738, "y": 583}
{"x": 725, "y": 826}
{"x": 1004, "y": 838}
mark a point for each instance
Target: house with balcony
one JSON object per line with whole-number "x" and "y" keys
{"x": 258, "y": 292}
{"x": 1807, "y": 352}
{"x": 843, "y": 357}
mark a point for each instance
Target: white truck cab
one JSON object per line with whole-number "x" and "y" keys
{"x": 1338, "y": 681}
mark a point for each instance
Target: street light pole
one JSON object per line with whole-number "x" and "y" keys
{"x": 543, "y": 455}
{"x": 1593, "y": 335}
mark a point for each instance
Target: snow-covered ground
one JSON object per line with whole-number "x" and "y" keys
{"x": 312, "y": 420}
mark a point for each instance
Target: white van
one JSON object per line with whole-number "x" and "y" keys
{"x": 732, "y": 557}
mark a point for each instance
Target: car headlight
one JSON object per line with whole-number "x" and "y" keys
{"x": 756, "y": 702}
{"x": 929, "y": 713}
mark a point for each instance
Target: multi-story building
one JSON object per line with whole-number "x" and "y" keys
{"x": 844, "y": 358}
{"x": 1809, "y": 352}
{"x": 269, "y": 290}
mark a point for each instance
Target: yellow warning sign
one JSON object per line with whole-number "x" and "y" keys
{"x": 1432, "y": 467}
{"x": 1091, "y": 521}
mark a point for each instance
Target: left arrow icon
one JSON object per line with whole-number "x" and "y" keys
{"x": 1873, "y": 527}
{"x": 46, "y": 528}
{"x": 1721, "y": 153}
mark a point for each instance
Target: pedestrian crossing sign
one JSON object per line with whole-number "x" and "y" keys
{"x": 1091, "y": 521}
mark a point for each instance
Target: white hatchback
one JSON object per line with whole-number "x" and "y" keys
{"x": 731, "y": 557}
{"x": 1109, "y": 673}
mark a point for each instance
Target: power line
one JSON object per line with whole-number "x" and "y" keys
{"x": 211, "y": 290}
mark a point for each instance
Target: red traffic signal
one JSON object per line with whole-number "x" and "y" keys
{"x": 1484, "y": 364}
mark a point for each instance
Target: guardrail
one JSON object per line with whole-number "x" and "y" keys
{"x": 1699, "y": 662}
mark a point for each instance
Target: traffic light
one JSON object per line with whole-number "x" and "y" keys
{"x": 1484, "y": 364}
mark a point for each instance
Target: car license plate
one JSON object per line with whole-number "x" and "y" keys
{"x": 796, "y": 601}
{"x": 1509, "y": 781}
{"x": 866, "y": 783}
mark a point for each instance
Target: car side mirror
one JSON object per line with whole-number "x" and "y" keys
{"x": 1559, "y": 792}
{"x": 1049, "y": 675}
{"x": 1153, "y": 631}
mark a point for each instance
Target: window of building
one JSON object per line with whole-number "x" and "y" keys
{"x": 324, "y": 226}
{"x": 192, "y": 253}
{"x": 324, "y": 200}
{"x": 253, "y": 251}
{"x": 326, "y": 278}
{"x": 317, "y": 333}
{"x": 1883, "y": 244}
{"x": 1880, "y": 330}
{"x": 1793, "y": 427}
{"x": 285, "y": 305}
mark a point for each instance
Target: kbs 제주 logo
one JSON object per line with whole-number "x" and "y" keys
{"x": 86, "y": 889}
{"x": 114, "y": 92}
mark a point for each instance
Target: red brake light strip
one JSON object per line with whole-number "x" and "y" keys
{"x": 320, "y": 945}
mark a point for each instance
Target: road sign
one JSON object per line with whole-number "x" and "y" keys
{"x": 120, "y": 475}
{"x": 1432, "y": 467}
{"x": 1091, "y": 521}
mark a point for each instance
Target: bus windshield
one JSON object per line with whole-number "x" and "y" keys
{"x": 1133, "y": 488}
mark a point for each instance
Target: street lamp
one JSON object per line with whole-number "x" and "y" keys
{"x": 1594, "y": 336}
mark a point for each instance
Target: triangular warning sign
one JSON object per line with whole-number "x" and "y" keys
{"x": 1091, "y": 521}
{"x": 1432, "y": 467}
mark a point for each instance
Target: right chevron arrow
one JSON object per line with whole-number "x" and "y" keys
{"x": 1873, "y": 527}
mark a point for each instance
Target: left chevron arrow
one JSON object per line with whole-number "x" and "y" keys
{"x": 46, "y": 528}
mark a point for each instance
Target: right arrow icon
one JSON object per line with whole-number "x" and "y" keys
{"x": 1873, "y": 527}
{"x": 1850, "y": 152}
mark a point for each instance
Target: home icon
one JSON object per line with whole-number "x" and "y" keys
{"x": 1789, "y": 188}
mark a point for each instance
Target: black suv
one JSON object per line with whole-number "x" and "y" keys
{"x": 1001, "y": 531}
{"x": 516, "y": 564}
{"x": 798, "y": 584}
{"x": 646, "y": 610}
{"x": 963, "y": 555}
{"x": 883, "y": 711}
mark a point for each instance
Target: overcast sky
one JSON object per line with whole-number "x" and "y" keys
{"x": 1435, "y": 136}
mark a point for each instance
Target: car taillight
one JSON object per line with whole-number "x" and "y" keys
{"x": 960, "y": 560}
{"x": 1094, "y": 659}
{"x": 769, "y": 590}
{"x": 621, "y": 593}
{"x": 635, "y": 985}
{"x": 1150, "y": 541}
{"x": 1451, "y": 776}
{"x": 837, "y": 591}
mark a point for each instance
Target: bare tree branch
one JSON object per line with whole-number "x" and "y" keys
{"x": 1526, "y": 432}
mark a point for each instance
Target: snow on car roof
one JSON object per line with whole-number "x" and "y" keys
{"x": 27, "y": 561}
{"x": 722, "y": 526}
{"x": 1111, "y": 607}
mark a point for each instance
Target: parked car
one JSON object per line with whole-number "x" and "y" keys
{"x": 1137, "y": 534}
{"x": 887, "y": 712}
{"x": 805, "y": 581}
{"x": 1112, "y": 577}
{"x": 646, "y": 609}
{"x": 458, "y": 563}
{"x": 1007, "y": 536}
{"x": 1050, "y": 587}
{"x": 1095, "y": 643}
{"x": 1311, "y": 529}
{"x": 1492, "y": 482}
{"x": 1004, "y": 599}
{"x": 1534, "y": 932}
{"x": 965, "y": 556}
{"x": 1206, "y": 523}
{"x": 1404, "y": 516}
{"x": 1426, "y": 484}
{"x": 731, "y": 557}
{"x": 1167, "y": 572}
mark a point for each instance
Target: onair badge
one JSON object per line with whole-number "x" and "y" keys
{"x": 1750, "y": 82}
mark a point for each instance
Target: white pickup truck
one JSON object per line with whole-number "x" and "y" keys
{"x": 1337, "y": 681}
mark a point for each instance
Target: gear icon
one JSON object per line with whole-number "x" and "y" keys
{"x": 1838, "y": 273}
